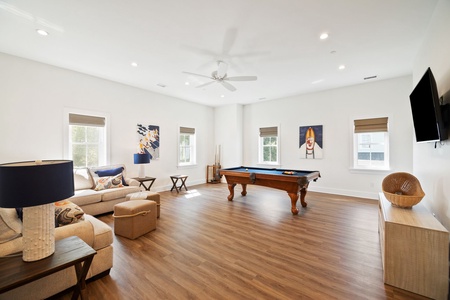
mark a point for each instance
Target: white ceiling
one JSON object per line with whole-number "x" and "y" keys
{"x": 275, "y": 40}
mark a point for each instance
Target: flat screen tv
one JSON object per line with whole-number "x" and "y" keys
{"x": 426, "y": 110}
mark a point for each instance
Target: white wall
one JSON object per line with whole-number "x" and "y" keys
{"x": 34, "y": 96}
{"x": 432, "y": 166}
{"x": 228, "y": 134}
{"x": 335, "y": 110}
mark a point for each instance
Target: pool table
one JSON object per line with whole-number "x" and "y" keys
{"x": 291, "y": 181}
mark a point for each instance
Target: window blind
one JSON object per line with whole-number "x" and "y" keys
{"x": 268, "y": 131}
{"x": 371, "y": 125}
{"x": 187, "y": 130}
{"x": 84, "y": 120}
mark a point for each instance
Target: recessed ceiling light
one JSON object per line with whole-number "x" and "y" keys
{"x": 42, "y": 32}
{"x": 134, "y": 64}
{"x": 341, "y": 67}
{"x": 186, "y": 83}
{"x": 222, "y": 96}
{"x": 324, "y": 36}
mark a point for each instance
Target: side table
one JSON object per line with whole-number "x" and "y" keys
{"x": 71, "y": 251}
{"x": 175, "y": 179}
{"x": 142, "y": 180}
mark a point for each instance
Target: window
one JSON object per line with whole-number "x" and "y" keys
{"x": 268, "y": 145}
{"x": 371, "y": 140}
{"x": 186, "y": 143}
{"x": 87, "y": 140}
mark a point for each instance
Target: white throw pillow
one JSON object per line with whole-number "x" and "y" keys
{"x": 82, "y": 179}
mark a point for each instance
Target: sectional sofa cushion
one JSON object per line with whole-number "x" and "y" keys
{"x": 112, "y": 194}
{"x": 85, "y": 197}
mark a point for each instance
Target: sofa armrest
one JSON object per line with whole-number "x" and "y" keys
{"x": 12, "y": 246}
{"x": 84, "y": 230}
{"x": 132, "y": 182}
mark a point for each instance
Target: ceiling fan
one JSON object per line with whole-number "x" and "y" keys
{"x": 220, "y": 76}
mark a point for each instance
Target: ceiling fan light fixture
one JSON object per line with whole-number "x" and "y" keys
{"x": 220, "y": 76}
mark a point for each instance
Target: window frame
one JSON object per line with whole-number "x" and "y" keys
{"x": 192, "y": 146}
{"x": 386, "y": 150}
{"x": 67, "y": 132}
{"x": 100, "y": 144}
{"x": 261, "y": 146}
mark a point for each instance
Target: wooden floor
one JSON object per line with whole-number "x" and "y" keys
{"x": 205, "y": 247}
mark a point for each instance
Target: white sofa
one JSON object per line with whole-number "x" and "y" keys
{"x": 94, "y": 232}
{"x": 99, "y": 202}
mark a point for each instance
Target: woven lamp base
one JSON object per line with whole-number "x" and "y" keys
{"x": 38, "y": 232}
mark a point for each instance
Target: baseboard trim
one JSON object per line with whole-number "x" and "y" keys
{"x": 350, "y": 193}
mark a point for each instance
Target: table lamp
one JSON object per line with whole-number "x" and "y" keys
{"x": 34, "y": 186}
{"x": 141, "y": 159}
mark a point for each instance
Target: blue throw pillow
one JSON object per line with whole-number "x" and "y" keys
{"x": 111, "y": 172}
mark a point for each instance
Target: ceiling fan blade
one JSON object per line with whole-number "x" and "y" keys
{"x": 241, "y": 78}
{"x": 198, "y": 75}
{"x": 228, "y": 86}
{"x": 205, "y": 84}
{"x": 222, "y": 69}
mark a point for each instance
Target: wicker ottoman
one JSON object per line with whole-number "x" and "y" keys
{"x": 146, "y": 196}
{"x": 134, "y": 218}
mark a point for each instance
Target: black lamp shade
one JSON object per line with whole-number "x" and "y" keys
{"x": 141, "y": 158}
{"x": 25, "y": 184}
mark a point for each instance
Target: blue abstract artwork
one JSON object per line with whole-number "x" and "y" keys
{"x": 148, "y": 140}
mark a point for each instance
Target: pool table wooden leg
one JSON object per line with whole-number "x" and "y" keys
{"x": 231, "y": 189}
{"x": 294, "y": 198}
{"x": 244, "y": 189}
{"x": 302, "y": 197}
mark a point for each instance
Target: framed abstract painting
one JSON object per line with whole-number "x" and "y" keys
{"x": 148, "y": 140}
